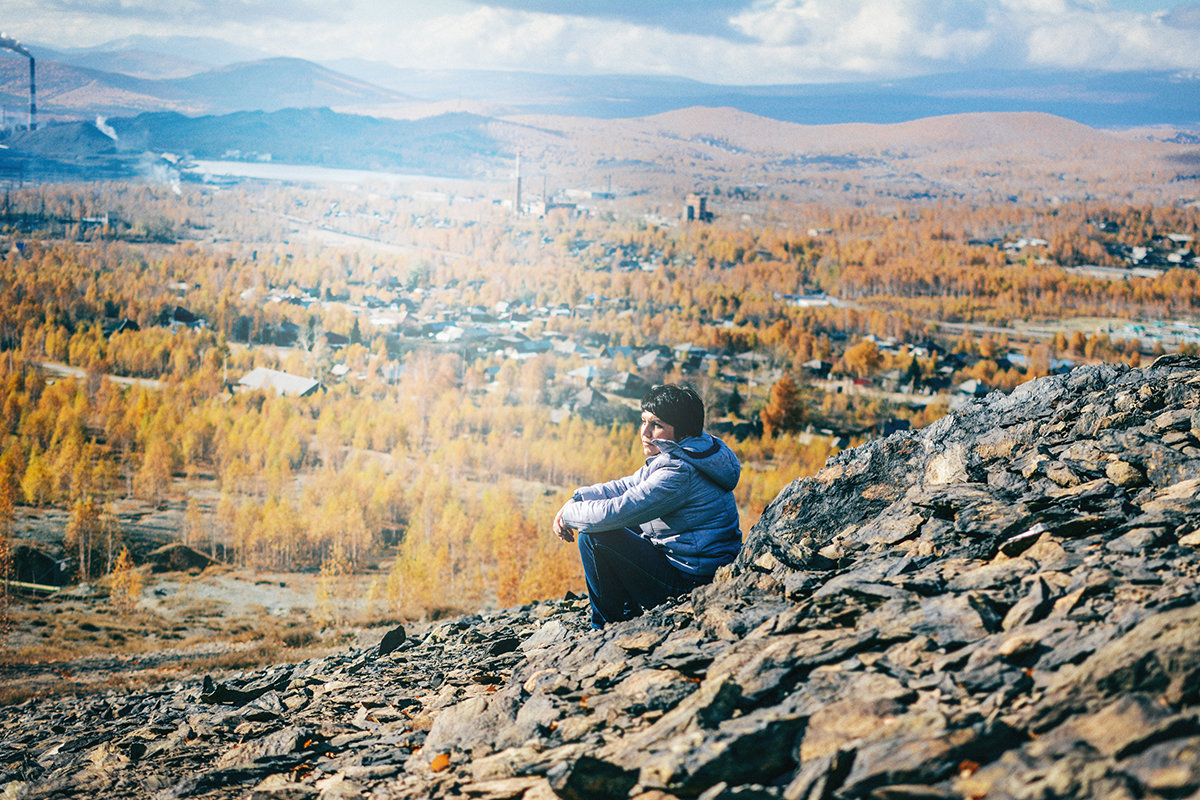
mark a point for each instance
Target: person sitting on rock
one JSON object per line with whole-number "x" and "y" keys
{"x": 665, "y": 529}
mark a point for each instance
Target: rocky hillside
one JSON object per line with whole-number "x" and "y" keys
{"x": 1002, "y": 605}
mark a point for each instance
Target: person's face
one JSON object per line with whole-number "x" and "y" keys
{"x": 654, "y": 428}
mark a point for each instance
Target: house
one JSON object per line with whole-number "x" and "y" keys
{"x": 179, "y": 317}
{"x": 816, "y": 368}
{"x": 287, "y": 334}
{"x": 618, "y": 351}
{"x": 971, "y": 388}
{"x": 584, "y": 375}
{"x": 627, "y": 384}
{"x": 689, "y": 355}
{"x": 586, "y": 399}
{"x": 453, "y": 333}
{"x": 893, "y": 425}
{"x": 652, "y": 361}
{"x": 811, "y": 300}
{"x": 112, "y": 326}
{"x": 569, "y": 347}
{"x": 282, "y": 383}
{"x": 520, "y": 346}
{"x": 892, "y": 380}
{"x": 177, "y": 557}
{"x": 738, "y": 429}
{"x": 33, "y": 566}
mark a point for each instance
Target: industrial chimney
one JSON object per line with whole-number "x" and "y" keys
{"x": 517, "y": 191}
{"x": 9, "y": 43}
{"x": 32, "y": 97}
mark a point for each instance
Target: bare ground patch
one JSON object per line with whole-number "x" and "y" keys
{"x": 215, "y": 622}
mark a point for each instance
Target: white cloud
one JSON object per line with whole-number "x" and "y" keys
{"x": 760, "y": 41}
{"x": 878, "y": 38}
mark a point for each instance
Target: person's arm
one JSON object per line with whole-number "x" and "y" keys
{"x": 613, "y": 488}
{"x": 663, "y": 489}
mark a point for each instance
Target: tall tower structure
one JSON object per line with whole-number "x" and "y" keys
{"x": 9, "y": 43}
{"x": 517, "y": 188}
{"x": 32, "y": 97}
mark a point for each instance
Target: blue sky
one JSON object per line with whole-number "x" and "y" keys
{"x": 718, "y": 41}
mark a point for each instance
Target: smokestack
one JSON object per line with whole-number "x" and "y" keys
{"x": 9, "y": 43}
{"x": 32, "y": 97}
{"x": 517, "y": 195}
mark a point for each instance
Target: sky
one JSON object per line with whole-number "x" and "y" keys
{"x": 740, "y": 42}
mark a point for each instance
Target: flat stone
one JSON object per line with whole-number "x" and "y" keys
{"x": 1179, "y": 419}
{"x": 1125, "y": 474}
{"x": 917, "y": 749}
{"x": 1061, "y": 474}
{"x": 587, "y": 777}
{"x": 1170, "y": 769}
{"x": 641, "y": 642}
{"x": 842, "y": 722}
{"x": 1158, "y": 655}
{"x": 757, "y": 748}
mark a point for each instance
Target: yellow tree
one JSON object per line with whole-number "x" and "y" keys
{"x": 7, "y": 497}
{"x": 83, "y": 533}
{"x": 125, "y": 588}
{"x": 38, "y": 482}
{"x": 863, "y": 358}
{"x": 784, "y": 410}
{"x": 154, "y": 476}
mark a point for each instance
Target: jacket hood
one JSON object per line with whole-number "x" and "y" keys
{"x": 708, "y": 454}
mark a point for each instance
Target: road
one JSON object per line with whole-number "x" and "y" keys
{"x": 67, "y": 371}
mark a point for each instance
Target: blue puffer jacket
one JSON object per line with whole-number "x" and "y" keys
{"x": 681, "y": 500}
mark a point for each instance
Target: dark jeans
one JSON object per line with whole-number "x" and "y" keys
{"x": 626, "y": 574}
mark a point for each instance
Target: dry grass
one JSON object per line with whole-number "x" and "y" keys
{"x": 70, "y": 645}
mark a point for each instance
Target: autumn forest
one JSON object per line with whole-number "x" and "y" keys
{"x": 451, "y": 343}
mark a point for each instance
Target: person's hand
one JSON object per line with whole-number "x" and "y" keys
{"x": 560, "y": 528}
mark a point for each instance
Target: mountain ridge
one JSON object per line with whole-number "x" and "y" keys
{"x": 268, "y": 85}
{"x": 1104, "y": 100}
{"x": 955, "y": 154}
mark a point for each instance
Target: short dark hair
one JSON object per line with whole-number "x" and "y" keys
{"x": 678, "y": 406}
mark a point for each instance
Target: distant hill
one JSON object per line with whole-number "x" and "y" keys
{"x": 1018, "y": 131}
{"x": 954, "y": 154}
{"x": 135, "y": 63}
{"x": 726, "y": 138}
{"x": 278, "y": 83}
{"x": 73, "y": 91}
{"x": 70, "y": 91}
{"x": 1104, "y": 100}
{"x": 451, "y": 144}
{"x": 70, "y": 140}
{"x": 202, "y": 50}
{"x": 147, "y": 74}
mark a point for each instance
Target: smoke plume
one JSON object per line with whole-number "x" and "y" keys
{"x": 9, "y": 43}
{"x": 103, "y": 126}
